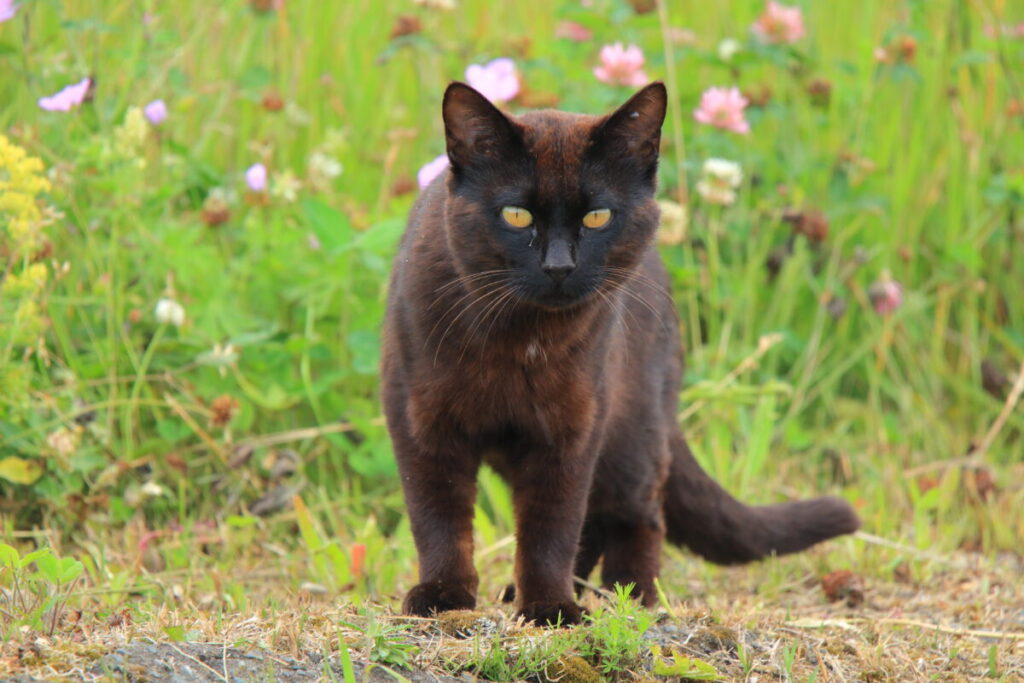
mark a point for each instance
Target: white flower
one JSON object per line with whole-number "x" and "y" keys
{"x": 728, "y": 48}
{"x": 285, "y": 186}
{"x": 719, "y": 179}
{"x": 170, "y": 311}
{"x": 151, "y": 489}
{"x": 673, "y": 224}
{"x": 323, "y": 169}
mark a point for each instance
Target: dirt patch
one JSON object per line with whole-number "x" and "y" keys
{"x": 207, "y": 662}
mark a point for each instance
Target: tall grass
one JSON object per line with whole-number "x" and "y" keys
{"x": 916, "y": 166}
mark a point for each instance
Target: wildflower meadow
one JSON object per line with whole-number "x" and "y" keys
{"x": 199, "y": 205}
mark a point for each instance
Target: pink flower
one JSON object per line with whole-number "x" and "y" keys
{"x": 621, "y": 66}
{"x": 497, "y": 80}
{"x": 7, "y": 10}
{"x": 68, "y": 98}
{"x": 431, "y": 170}
{"x": 779, "y": 24}
{"x": 1007, "y": 30}
{"x": 886, "y": 295}
{"x": 723, "y": 108}
{"x": 256, "y": 178}
{"x": 156, "y": 112}
{"x": 578, "y": 33}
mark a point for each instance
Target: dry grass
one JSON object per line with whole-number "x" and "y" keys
{"x": 958, "y": 617}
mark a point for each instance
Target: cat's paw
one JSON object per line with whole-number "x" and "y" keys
{"x": 427, "y": 599}
{"x": 552, "y": 613}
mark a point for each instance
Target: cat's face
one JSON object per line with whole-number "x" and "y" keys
{"x": 555, "y": 206}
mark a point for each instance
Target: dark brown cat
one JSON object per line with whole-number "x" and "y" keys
{"x": 529, "y": 327}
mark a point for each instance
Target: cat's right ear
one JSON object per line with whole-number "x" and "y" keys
{"x": 475, "y": 130}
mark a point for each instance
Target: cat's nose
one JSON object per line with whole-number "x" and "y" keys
{"x": 558, "y": 261}
{"x": 559, "y": 273}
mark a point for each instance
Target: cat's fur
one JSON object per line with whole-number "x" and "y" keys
{"x": 552, "y": 354}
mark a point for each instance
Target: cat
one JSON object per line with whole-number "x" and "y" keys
{"x": 529, "y": 327}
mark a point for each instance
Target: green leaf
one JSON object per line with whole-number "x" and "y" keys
{"x": 33, "y": 556}
{"x": 172, "y": 430}
{"x": 49, "y": 567}
{"x": 971, "y": 58}
{"x": 20, "y": 471}
{"x": 8, "y": 556}
{"x": 175, "y": 633}
{"x": 330, "y": 226}
{"x": 70, "y": 569}
{"x": 683, "y": 666}
{"x": 365, "y": 348}
{"x": 255, "y": 77}
{"x": 240, "y": 521}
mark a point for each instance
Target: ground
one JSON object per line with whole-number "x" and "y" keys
{"x": 957, "y": 617}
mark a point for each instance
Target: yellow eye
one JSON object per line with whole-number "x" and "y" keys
{"x": 597, "y": 218}
{"x": 517, "y": 216}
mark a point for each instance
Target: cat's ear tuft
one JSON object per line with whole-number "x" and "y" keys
{"x": 634, "y": 130}
{"x": 475, "y": 130}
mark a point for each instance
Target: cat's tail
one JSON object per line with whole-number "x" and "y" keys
{"x": 702, "y": 515}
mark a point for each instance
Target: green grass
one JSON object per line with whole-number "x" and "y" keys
{"x": 108, "y": 417}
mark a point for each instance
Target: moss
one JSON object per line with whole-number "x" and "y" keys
{"x": 716, "y": 637}
{"x": 465, "y": 623}
{"x": 572, "y": 669}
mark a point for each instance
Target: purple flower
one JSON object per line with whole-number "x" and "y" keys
{"x": 431, "y": 170}
{"x": 68, "y": 98}
{"x": 7, "y": 10}
{"x": 156, "y": 112}
{"x": 496, "y": 80}
{"x": 256, "y": 178}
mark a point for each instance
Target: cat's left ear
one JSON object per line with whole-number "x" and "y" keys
{"x": 634, "y": 130}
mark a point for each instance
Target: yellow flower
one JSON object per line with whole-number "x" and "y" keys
{"x": 21, "y": 234}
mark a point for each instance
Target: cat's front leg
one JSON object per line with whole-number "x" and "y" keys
{"x": 440, "y": 490}
{"x": 550, "y": 495}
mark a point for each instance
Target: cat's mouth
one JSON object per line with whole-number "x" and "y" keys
{"x": 559, "y": 299}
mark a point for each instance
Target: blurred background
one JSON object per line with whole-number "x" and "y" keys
{"x": 199, "y": 203}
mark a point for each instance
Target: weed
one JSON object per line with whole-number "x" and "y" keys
{"x": 384, "y": 640}
{"x": 35, "y": 588}
{"x": 614, "y": 637}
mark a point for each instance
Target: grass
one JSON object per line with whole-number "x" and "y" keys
{"x": 236, "y": 467}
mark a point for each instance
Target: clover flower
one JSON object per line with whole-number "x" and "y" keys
{"x": 169, "y": 311}
{"x": 886, "y": 295}
{"x": 497, "y": 80}
{"x": 621, "y": 66}
{"x": 719, "y": 180}
{"x": 779, "y": 24}
{"x": 723, "y": 108}
{"x": 577, "y": 33}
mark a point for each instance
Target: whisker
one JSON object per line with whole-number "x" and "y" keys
{"x": 482, "y": 316}
{"x": 487, "y": 291}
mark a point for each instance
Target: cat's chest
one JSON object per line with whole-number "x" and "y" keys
{"x": 522, "y": 390}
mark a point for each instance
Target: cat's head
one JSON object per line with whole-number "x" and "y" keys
{"x": 561, "y": 205}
